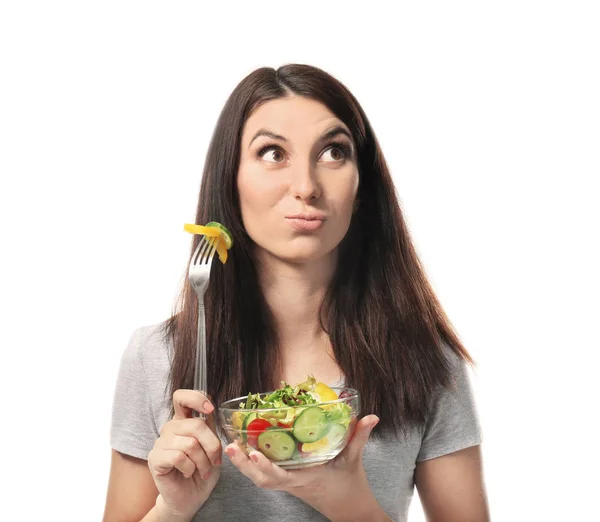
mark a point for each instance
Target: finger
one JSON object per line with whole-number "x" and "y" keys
{"x": 263, "y": 477}
{"x": 276, "y": 474}
{"x": 211, "y": 423}
{"x": 360, "y": 436}
{"x": 163, "y": 461}
{"x": 186, "y": 401}
{"x": 201, "y": 431}
{"x": 191, "y": 447}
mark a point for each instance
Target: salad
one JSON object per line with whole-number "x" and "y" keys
{"x": 293, "y": 421}
{"x": 216, "y": 233}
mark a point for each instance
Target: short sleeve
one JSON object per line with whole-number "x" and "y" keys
{"x": 453, "y": 422}
{"x": 133, "y": 428}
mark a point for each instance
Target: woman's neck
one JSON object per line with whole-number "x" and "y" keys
{"x": 294, "y": 293}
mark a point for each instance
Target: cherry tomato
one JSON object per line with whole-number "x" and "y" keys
{"x": 254, "y": 429}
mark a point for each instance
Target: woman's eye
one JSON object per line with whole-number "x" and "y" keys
{"x": 338, "y": 152}
{"x": 271, "y": 154}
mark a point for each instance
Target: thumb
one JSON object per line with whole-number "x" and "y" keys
{"x": 211, "y": 418}
{"x": 359, "y": 438}
{"x": 211, "y": 422}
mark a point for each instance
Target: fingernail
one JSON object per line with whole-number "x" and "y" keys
{"x": 375, "y": 424}
{"x": 254, "y": 458}
{"x": 230, "y": 452}
{"x": 208, "y": 407}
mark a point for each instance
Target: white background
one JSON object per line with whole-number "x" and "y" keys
{"x": 488, "y": 115}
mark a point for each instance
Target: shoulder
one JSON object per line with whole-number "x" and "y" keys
{"x": 459, "y": 368}
{"x": 458, "y": 389}
{"x": 453, "y": 420}
{"x": 148, "y": 348}
{"x": 146, "y": 363}
{"x": 141, "y": 399}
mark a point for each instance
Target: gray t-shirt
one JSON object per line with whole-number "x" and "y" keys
{"x": 140, "y": 408}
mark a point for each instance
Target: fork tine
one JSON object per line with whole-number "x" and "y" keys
{"x": 205, "y": 249}
{"x": 196, "y": 252}
{"x": 199, "y": 252}
{"x": 209, "y": 255}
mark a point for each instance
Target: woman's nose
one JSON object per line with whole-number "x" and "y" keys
{"x": 304, "y": 184}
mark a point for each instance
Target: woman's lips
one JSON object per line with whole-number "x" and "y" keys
{"x": 305, "y": 224}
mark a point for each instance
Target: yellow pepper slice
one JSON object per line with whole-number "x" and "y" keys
{"x": 201, "y": 229}
{"x": 318, "y": 446}
{"x": 237, "y": 420}
{"x": 325, "y": 392}
{"x": 221, "y": 249}
{"x": 211, "y": 233}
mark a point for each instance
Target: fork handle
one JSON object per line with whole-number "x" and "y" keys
{"x": 200, "y": 367}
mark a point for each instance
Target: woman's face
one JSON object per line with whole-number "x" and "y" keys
{"x": 297, "y": 179}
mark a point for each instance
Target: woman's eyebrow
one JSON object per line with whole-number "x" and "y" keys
{"x": 338, "y": 129}
{"x": 268, "y": 133}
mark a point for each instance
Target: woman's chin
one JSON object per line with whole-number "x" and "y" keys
{"x": 303, "y": 259}
{"x": 300, "y": 254}
{"x": 299, "y": 257}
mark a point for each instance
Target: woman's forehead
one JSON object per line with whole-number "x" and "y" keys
{"x": 289, "y": 118}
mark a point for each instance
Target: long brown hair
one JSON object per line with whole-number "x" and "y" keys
{"x": 385, "y": 323}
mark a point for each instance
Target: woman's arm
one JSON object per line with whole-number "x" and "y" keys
{"x": 131, "y": 489}
{"x": 451, "y": 487}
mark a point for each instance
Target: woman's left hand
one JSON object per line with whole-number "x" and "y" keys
{"x": 337, "y": 489}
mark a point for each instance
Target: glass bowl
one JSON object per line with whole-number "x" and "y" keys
{"x": 293, "y": 436}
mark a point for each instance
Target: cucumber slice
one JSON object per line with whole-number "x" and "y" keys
{"x": 276, "y": 444}
{"x": 336, "y": 434}
{"x": 225, "y": 234}
{"x": 247, "y": 420}
{"x": 311, "y": 425}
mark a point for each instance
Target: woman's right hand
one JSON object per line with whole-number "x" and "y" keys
{"x": 186, "y": 458}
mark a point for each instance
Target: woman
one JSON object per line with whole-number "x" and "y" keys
{"x": 322, "y": 279}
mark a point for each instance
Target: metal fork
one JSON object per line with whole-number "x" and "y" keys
{"x": 199, "y": 275}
